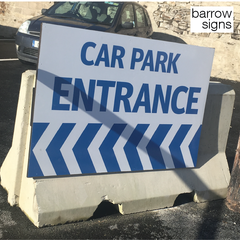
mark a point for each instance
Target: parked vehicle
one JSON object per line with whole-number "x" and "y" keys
{"x": 127, "y": 18}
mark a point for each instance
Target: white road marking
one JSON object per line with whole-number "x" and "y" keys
{"x": 9, "y": 59}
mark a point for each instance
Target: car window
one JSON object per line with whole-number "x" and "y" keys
{"x": 64, "y": 8}
{"x": 93, "y": 12}
{"x": 141, "y": 22}
{"x": 128, "y": 15}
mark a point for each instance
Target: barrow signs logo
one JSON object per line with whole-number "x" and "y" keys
{"x": 109, "y": 103}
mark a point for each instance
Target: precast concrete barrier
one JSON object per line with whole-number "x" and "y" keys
{"x": 54, "y": 200}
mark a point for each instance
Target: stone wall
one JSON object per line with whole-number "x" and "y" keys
{"x": 175, "y": 16}
{"x": 226, "y": 64}
{"x": 13, "y": 14}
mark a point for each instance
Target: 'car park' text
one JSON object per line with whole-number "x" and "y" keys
{"x": 139, "y": 58}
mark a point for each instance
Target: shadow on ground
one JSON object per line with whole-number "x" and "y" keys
{"x": 166, "y": 37}
{"x": 7, "y": 32}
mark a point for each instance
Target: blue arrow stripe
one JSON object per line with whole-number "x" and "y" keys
{"x": 34, "y": 169}
{"x": 130, "y": 147}
{"x": 153, "y": 147}
{"x": 175, "y": 146}
{"x": 194, "y": 145}
{"x": 80, "y": 149}
{"x": 53, "y": 148}
{"x": 106, "y": 148}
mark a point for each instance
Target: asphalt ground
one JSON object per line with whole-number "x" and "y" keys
{"x": 189, "y": 220}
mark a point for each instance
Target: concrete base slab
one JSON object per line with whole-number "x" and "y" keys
{"x": 50, "y": 201}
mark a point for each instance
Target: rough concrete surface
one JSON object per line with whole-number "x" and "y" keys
{"x": 211, "y": 220}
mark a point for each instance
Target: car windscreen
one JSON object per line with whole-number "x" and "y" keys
{"x": 92, "y": 12}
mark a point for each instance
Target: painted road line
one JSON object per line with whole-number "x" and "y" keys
{"x": 9, "y": 59}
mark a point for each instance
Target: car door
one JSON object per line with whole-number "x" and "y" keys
{"x": 141, "y": 22}
{"x": 126, "y": 24}
{"x": 149, "y": 29}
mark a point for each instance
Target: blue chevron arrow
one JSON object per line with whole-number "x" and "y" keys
{"x": 174, "y": 147}
{"x": 130, "y": 147}
{"x": 153, "y": 147}
{"x": 34, "y": 169}
{"x": 194, "y": 145}
{"x": 80, "y": 149}
{"x": 106, "y": 148}
{"x": 53, "y": 149}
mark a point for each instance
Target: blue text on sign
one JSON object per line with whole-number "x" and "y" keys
{"x": 167, "y": 99}
{"x": 163, "y": 61}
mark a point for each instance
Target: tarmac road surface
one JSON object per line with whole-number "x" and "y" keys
{"x": 210, "y": 220}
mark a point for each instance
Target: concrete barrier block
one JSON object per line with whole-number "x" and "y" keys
{"x": 54, "y": 200}
{"x": 12, "y": 167}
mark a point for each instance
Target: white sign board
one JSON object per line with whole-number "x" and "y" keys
{"x": 111, "y": 103}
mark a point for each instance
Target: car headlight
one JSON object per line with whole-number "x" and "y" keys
{"x": 24, "y": 27}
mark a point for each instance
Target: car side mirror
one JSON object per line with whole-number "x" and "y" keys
{"x": 44, "y": 10}
{"x": 127, "y": 25}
